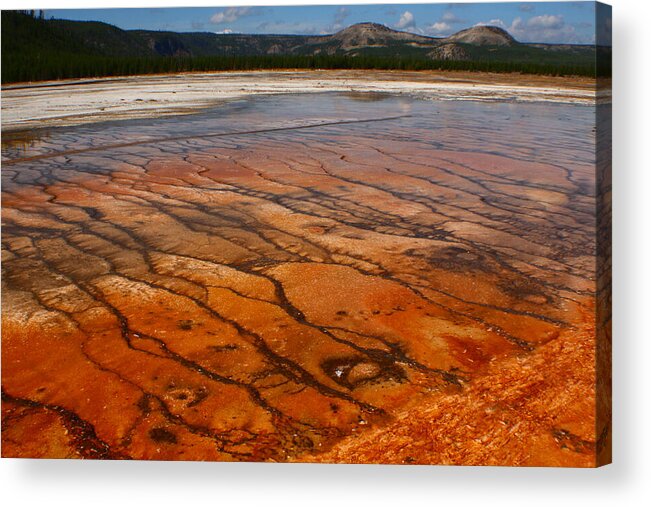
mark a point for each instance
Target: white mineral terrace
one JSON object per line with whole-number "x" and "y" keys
{"x": 74, "y": 102}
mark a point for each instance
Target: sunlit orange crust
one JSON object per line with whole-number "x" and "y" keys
{"x": 334, "y": 295}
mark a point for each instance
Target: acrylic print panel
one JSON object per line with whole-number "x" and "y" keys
{"x": 342, "y": 234}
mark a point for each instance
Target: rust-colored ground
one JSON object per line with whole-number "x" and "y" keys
{"x": 363, "y": 292}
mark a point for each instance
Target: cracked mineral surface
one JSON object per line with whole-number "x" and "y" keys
{"x": 342, "y": 277}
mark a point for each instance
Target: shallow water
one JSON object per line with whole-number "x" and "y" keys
{"x": 262, "y": 279}
{"x": 536, "y": 131}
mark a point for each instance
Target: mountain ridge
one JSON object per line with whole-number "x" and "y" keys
{"x": 32, "y": 48}
{"x": 102, "y": 38}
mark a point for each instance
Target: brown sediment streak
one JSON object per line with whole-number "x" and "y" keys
{"x": 299, "y": 293}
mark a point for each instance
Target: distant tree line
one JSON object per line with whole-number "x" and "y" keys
{"x": 50, "y": 66}
{"x": 33, "y": 14}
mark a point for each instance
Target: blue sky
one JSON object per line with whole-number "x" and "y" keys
{"x": 555, "y": 22}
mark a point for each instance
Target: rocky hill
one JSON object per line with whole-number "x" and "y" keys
{"x": 364, "y": 35}
{"x": 483, "y": 36}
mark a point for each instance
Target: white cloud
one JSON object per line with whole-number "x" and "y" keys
{"x": 451, "y": 18}
{"x": 439, "y": 28}
{"x": 550, "y": 28}
{"x": 406, "y": 20}
{"x": 341, "y": 14}
{"x": 517, "y": 25}
{"x": 225, "y": 31}
{"x": 230, "y": 15}
{"x": 546, "y": 21}
{"x": 545, "y": 28}
{"x": 493, "y": 22}
{"x": 443, "y": 26}
{"x": 338, "y": 21}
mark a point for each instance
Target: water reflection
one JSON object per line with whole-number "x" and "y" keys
{"x": 542, "y": 131}
{"x": 16, "y": 143}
